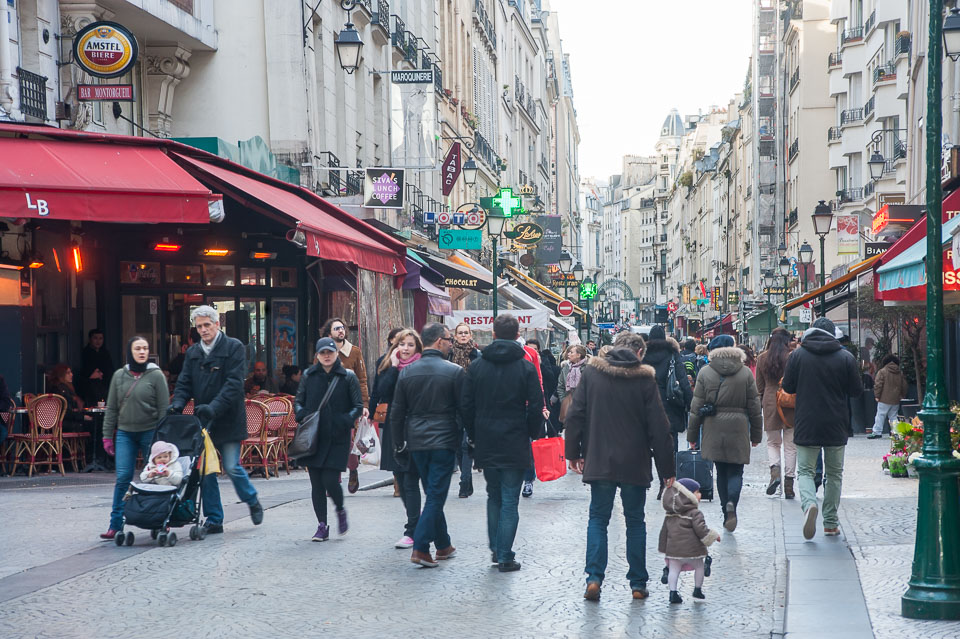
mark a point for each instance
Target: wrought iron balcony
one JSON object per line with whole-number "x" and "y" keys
{"x": 869, "y": 24}
{"x": 885, "y": 72}
{"x": 902, "y": 46}
{"x": 437, "y": 79}
{"x": 834, "y": 134}
{"x": 484, "y": 22}
{"x": 518, "y": 89}
{"x": 868, "y": 107}
{"x": 485, "y": 152}
{"x": 328, "y": 159}
{"x": 382, "y": 17}
{"x": 794, "y": 150}
{"x": 851, "y": 116}
{"x": 853, "y": 35}
{"x": 531, "y": 108}
{"x": 33, "y": 93}
{"x": 868, "y": 189}
{"x": 399, "y": 35}
{"x": 793, "y": 217}
{"x": 795, "y": 78}
{"x": 354, "y": 182}
{"x": 850, "y": 195}
{"x": 835, "y": 59}
{"x": 410, "y": 52}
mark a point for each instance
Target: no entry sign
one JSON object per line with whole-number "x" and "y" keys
{"x": 565, "y": 308}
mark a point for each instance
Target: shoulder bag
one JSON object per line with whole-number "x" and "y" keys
{"x": 304, "y": 442}
{"x": 709, "y": 409}
{"x": 785, "y": 401}
{"x": 672, "y": 384}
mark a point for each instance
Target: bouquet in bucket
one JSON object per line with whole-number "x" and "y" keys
{"x": 906, "y": 443}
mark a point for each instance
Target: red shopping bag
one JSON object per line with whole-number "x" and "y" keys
{"x": 548, "y": 458}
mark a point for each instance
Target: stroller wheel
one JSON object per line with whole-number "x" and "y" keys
{"x": 172, "y": 539}
{"x": 162, "y": 539}
{"x": 153, "y": 534}
{"x": 119, "y": 538}
{"x": 193, "y": 533}
{"x": 201, "y": 533}
{"x": 129, "y": 539}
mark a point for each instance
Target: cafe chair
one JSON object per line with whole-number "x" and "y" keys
{"x": 254, "y": 449}
{"x": 76, "y": 448}
{"x": 277, "y": 430}
{"x": 44, "y": 435}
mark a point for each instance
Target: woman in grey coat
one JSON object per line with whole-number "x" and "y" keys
{"x": 735, "y": 424}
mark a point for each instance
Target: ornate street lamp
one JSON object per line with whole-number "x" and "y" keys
{"x": 806, "y": 258}
{"x": 348, "y": 43}
{"x": 470, "y": 172}
{"x": 822, "y": 221}
{"x": 876, "y": 165}
{"x": 782, "y": 249}
{"x": 769, "y": 279}
{"x": 578, "y": 271}
{"x": 566, "y": 261}
{"x": 934, "y": 587}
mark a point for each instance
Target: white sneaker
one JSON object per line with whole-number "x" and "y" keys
{"x": 405, "y": 543}
{"x": 810, "y": 522}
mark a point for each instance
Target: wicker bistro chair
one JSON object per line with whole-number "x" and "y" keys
{"x": 44, "y": 435}
{"x": 277, "y": 430}
{"x": 75, "y": 445}
{"x": 254, "y": 450}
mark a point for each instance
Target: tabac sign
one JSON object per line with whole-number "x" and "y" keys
{"x": 105, "y": 49}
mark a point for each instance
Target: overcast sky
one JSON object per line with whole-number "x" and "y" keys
{"x": 634, "y": 60}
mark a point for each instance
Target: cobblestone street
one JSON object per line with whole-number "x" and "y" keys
{"x": 56, "y": 582}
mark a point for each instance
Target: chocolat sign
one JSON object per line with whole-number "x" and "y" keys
{"x": 105, "y": 49}
{"x": 383, "y": 188}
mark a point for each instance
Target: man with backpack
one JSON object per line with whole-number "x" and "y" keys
{"x": 689, "y": 358}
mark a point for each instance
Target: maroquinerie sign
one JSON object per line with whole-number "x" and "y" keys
{"x": 105, "y": 49}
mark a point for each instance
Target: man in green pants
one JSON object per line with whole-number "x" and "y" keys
{"x": 823, "y": 376}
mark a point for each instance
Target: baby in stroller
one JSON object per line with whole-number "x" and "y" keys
{"x": 163, "y": 468}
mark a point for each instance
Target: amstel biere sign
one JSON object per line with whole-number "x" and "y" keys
{"x": 105, "y": 49}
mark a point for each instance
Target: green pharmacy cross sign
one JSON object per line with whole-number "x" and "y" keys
{"x": 588, "y": 290}
{"x": 507, "y": 202}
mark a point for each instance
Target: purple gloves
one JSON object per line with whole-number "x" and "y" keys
{"x": 108, "y": 446}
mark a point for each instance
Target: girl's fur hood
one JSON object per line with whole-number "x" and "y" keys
{"x": 621, "y": 363}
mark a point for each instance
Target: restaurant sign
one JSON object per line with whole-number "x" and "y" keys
{"x": 876, "y": 248}
{"x": 383, "y": 188}
{"x": 105, "y": 49}
{"x": 527, "y": 234}
{"x": 483, "y": 320}
{"x": 105, "y": 92}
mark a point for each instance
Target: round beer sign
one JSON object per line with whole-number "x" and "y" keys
{"x": 105, "y": 49}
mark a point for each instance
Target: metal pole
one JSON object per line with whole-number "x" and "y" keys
{"x": 934, "y": 590}
{"x": 769, "y": 314}
{"x": 493, "y": 239}
{"x": 823, "y": 278}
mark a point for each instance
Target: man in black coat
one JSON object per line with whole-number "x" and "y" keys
{"x": 824, "y": 377}
{"x": 96, "y": 369}
{"x": 502, "y": 411}
{"x": 425, "y": 419}
{"x": 212, "y": 376}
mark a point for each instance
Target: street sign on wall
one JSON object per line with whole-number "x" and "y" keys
{"x": 460, "y": 239}
{"x": 105, "y": 92}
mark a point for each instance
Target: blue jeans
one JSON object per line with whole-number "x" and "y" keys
{"x": 127, "y": 446}
{"x": 465, "y": 462}
{"x": 436, "y": 469}
{"x": 210, "y": 490}
{"x": 503, "y": 517}
{"x": 602, "y": 494}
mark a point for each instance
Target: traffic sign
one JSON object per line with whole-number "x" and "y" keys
{"x": 672, "y": 307}
{"x": 565, "y": 308}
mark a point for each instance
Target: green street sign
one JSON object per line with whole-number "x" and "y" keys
{"x": 507, "y": 202}
{"x": 460, "y": 239}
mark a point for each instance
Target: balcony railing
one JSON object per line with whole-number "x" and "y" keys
{"x": 749, "y": 191}
{"x": 899, "y": 150}
{"x": 835, "y": 59}
{"x": 834, "y": 134}
{"x": 795, "y": 78}
{"x": 647, "y": 203}
{"x": 544, "y": 165}
{"x": 902, "y": 46}
{"x": 531, "y": 108}
{"x": 382, "y": 16}
{"x": 853, "y": 35}
{"x": 850, "y": 195}
{"x": 519, "y": 90}
{"x": 850, "y": 116}
{"x": 486, "y": 153}
{"x": 410, "y": 52}
{"x": 868, "y": 107}
{"x": 794, "y": 150}
{"x": 328, "y": 159}
{"x": 871, "y": 21}
{"x": 354, "y": 182}
{"x": 398, "y": 37}
{"x": 33, "y": 93}
{"x": 484, "y": 22}
{"x": 437, "y": 79}
{"x": 885, "y": 72}
{"x": 868, "y": 189}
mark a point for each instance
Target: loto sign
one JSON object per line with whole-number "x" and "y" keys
{"x": 105, "y": 49}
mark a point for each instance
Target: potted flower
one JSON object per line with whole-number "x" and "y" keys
{"x": 448, "y": 92}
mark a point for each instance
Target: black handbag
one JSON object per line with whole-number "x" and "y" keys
{"x": 710, "y": 409}
{"x": 305, "y": 439}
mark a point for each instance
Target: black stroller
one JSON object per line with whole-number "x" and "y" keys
{"x": 159, "y": 508}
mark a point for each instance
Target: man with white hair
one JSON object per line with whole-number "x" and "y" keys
{"x": 212, "y": 376}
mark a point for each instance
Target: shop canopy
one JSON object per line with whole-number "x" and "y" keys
{"x": 92, "y": 179}
{"x": 330, "y": 233}
{"x": 538, "y": 289}
{"x": 852, "y": 273}
{"x": 459, "y": 273}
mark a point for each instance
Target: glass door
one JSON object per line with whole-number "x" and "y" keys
{"x": 253, "y": 312}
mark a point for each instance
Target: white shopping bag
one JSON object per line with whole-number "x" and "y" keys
{"x": 367, "y": 444}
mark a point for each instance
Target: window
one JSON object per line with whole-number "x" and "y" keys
{"x": 283, "y": 277}
{"x": 253, "y": 276}
{"x": 183, "y": 274}
{"x": 219, "y": 275}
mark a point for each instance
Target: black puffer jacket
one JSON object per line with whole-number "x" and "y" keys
{"x": 337, "y": 417}
{"x": 659, "y": 354}
{"x": 502, "y": 406}
{"x": 426, "y": 411}
{"x": 384, "y": 385}
{"x": 824, "y": 376}
{"x": 217, "y": 381}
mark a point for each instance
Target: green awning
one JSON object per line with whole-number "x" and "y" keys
{"x": 763, "y": 321}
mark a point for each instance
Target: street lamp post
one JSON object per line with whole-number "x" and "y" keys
{"x": 784, "y": 268}
{"x": 934, "y": 587}
{"x": 822, "y": 220}
{"x": 768, "y": 281}
{"x": 806, "y": 258}
{"x": 495, "y": 224}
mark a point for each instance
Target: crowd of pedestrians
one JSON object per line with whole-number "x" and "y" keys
{"x": 441, "y": 403}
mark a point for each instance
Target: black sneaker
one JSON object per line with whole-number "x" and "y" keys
{"x": 666, "y": 573}
{"x": 508, "y": 566}
{"x": 675, "y": 597}
{"x": 698, "y": 593}
{"x": 873, "y": 436}
{"x": 256, "y": 513}
{"x": 212, "y": 529}
{"x": 527, "y": 489}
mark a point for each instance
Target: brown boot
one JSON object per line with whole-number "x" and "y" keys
{"x": 354, "y": 484}
{"x": 788, "y": 488}
{"x": 774, "y": 479}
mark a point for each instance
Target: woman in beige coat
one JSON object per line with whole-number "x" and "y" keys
{"x": 770, "y": 366}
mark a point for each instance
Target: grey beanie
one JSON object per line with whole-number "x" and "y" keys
{"x": 825, "y": 325}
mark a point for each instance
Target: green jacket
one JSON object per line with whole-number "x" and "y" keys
{"x": 137, "y": 410}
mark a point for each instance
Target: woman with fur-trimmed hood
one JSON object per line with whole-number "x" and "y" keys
{"x": 684, "y": 536}
{"x": 733, "y": 424}
{"x": 661, "y": 351}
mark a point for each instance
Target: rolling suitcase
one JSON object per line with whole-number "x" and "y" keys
{"x": 692, "y": 465}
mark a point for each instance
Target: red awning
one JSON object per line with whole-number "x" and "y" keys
{"x": 92, "y": 181}
{"x": 331, "y": 234}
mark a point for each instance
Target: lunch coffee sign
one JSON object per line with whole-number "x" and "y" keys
{"x": 105, "y": 49}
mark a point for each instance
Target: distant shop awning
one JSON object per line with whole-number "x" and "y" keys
{"x": 909, "y": 268}
{"x": 459, "y": 275}
{"x": 438, "y": 300}
{"x": 536, "y": 288}
{"x": 330, "y": 233}
{"x": 96, "y": 181}
{"x": 853, "y": 272}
